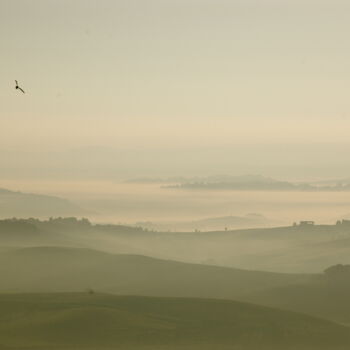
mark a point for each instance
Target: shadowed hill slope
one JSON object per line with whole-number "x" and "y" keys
{"x": 327, "y": 297}
{"x": 57, "y": 269}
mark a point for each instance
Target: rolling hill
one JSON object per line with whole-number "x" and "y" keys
{"x": 210, "y": 224}
{"x": 294, "y": 249}
{"x": 99, "y": 321}
{"x": 60, "y": 269}
{"x": 327, "y": 297}
{"x": 25, "y": 205}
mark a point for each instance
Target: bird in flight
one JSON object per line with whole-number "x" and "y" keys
{"x": 17, "y": 87}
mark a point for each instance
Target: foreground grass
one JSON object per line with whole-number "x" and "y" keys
{"x": 99, "y": 321}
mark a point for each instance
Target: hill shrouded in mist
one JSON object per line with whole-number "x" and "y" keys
{"x": 67, "y": 254}
{"x": 253, "y": 183}
{"x": 210, "y": 224}
{"x": 294, "y": 249}
{"x": 19, "y": 204}
{"x": 59, "y": 269}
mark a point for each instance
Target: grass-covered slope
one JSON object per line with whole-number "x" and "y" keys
{"x": 326, "y": 299}
{"x": 58, "y": 269}
{"x": 97, "y": 321}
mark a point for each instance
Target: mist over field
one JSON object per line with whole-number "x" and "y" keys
{"x": 153, "y": 202}
{"x": 174, "y": 175}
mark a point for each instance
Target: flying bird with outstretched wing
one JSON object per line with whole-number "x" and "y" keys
{"x": 19, "y": 88}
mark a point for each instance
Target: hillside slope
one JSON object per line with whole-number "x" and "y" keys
{"x": 297, "y": 249}
{"x": 327, "y": 297}
{"x": 59, "y": 269}
{"x": 24, "y": 205}
{"x": 97, "y": 321}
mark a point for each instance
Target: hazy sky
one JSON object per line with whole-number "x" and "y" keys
{"x": 184, "y": 75}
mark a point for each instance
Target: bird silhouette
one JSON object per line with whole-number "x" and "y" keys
{"x": 17, "y": 87}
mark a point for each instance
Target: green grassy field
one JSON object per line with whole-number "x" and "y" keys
{"x": 100, "y": 321}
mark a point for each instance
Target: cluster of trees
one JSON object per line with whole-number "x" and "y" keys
{"x": 339, "y": 270}
{"x": 71, "y": 223}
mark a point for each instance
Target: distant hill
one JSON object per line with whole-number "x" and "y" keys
{"x": 210, "y": 224}
{"x": 254, "y": 183}
{"x": 299, "y": 248}
{"x": 244, "y": 182}
{"x": 98, "y": 321}
{"x": 33, "y": 232}
{"x": 25, "y": 205}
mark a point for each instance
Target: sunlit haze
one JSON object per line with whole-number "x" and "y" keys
{"x": 161, "y": 87}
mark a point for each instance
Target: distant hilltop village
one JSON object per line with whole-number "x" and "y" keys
{"x": 312, "y": 223}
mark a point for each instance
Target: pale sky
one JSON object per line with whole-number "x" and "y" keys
{"x": 186, "y": 75}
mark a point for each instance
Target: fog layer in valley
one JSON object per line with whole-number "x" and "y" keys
{"x": 177, "y": 267}
{"x": 154, "y": 206}
{"x": 174, "y": 175}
